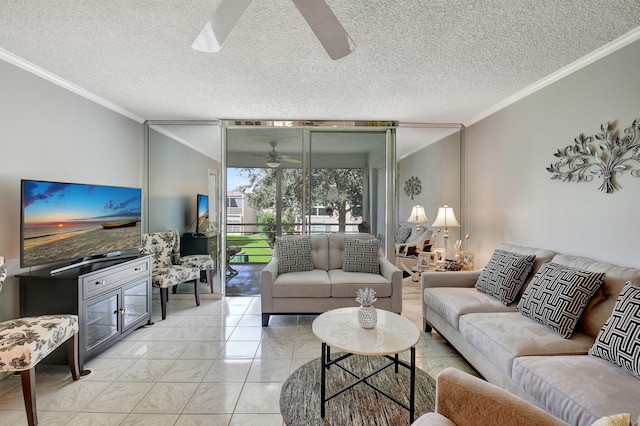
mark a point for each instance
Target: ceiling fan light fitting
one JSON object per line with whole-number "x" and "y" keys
{"x": 273, "y": 163}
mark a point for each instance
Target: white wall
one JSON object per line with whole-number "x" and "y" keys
{"x": 509, "y": 194}
{"x": 511, "y": 197}
{"x": 49, "y": 133}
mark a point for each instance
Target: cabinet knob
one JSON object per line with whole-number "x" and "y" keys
{"x": 137, "y": 269}
{"x": 102, "y": 282}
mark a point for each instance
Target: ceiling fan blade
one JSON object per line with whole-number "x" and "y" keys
{"x": 326, "y": 27}
{"x": 218, "y": 28}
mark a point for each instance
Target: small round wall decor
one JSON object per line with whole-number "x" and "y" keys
{"x": 412, "y": 186}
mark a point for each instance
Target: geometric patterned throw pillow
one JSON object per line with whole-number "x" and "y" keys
{"x": 504, "y": 275}
{"x": 558, "y": 295}
{"x": 361, "y": 255}
{"x": 294, "y": 254}
{"x": 619, "y": 339}
{"x": 402, "y": 234}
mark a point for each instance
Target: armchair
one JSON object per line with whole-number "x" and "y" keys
{"x": 462, "y": 399}
{"x": 165, "y": 272}
{"x": 24, "y": 342}
{"x": 203, "y": 262}
{"x": 413, "y": 241}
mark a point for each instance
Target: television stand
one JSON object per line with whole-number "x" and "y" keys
{"x": 111, "y": 296}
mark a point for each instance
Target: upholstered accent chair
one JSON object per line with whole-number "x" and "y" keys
{"x": 203, "y": 262}
{"x": 24, "y": 342}
{"x": 165, "y": 272}
{"x": 462, "y": 399}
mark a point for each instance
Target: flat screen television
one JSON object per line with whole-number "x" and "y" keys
{"x": 75, "y": 222}
{"x": 202, "y": 208}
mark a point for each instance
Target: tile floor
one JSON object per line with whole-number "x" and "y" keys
{"x": 207, "y": 365}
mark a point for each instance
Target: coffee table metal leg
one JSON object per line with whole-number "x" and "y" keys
{"x": 396, "y": 357}
{"x": 412, "y": 391}
{"x": 323, "y": 361}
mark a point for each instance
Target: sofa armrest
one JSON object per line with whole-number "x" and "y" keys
{"x": 468, "y": 400}
{"x": 449, "y": 279}
{"x": 267, "y": 277}
{"x": 392, "y": 273}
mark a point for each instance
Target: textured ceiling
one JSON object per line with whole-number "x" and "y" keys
{"x": 430, "y": 61}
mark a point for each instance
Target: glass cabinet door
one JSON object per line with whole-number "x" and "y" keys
{"x": 101, "y": 318}
{"x": 134, "y": 303}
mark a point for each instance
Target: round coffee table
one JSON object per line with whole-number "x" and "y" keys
{"x": 339, "y": 329}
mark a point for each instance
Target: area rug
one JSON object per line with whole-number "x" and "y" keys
{"x": 359, "y": 406}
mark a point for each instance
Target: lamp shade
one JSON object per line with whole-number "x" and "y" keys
{"x": 418, "y": 214}
{"x": 446, "y": 218}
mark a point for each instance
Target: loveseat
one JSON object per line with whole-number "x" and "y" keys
{"x": 315, "y": 273}
{"x": 526, "y": 353}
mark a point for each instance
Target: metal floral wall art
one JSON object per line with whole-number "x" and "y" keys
{"x": 412, "y": 186}
{"x": 614, "y": 155}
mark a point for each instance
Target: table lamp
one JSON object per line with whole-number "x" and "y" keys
{"x": 446, "y": 219}
{"x": 417, "y": 215}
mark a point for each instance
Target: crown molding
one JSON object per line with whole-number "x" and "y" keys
{"x": 11, "y": 58}
{"x": 597, "y": 54}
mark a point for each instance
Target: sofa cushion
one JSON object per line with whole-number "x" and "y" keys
{"x": 579, "y": 389}
{"x": 345, "y": 284}
{"x": 294, "y": 254}
{"x": 541, "y": 255}
{"x": 402, "y": 233}
{"x": 302, "y": 284}
{"x": 361, "y": 256}
{"x": 558, "y": 295}
{"x": 504, "y": 336}
{"x": 601, "y": 306}
{"x": 622, "y": 419}
{"x": 504, "y": 275}
{"x": 320, "y": 251}
{"x": 619, "y": 339}
{"x": 336, "y": 247}
{"x": 452, "y": 302}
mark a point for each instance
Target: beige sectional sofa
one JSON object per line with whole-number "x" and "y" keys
{"x": 528, "y": 358}
{"x": 327, "y": 285}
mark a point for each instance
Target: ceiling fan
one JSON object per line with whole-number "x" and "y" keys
{"x": 274, "y": 158}
{"x": 319, "y": 17}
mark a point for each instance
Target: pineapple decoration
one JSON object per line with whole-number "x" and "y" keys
{"x": 367, "y": 315}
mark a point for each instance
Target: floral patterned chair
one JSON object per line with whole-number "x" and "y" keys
{"x": 165, "y": 272}
{"x": 24, "y": 342}
{"x": 203, "y": 262}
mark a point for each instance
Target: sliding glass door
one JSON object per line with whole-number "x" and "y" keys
{"x": 304, "y": 179}
{"x": 345, "y": 169}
